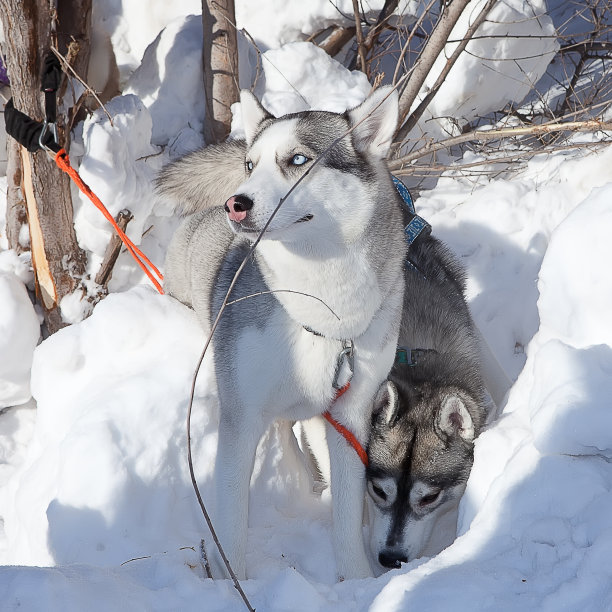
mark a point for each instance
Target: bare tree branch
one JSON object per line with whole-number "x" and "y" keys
{"x": 359, "y": 36}
{"x": 339, "y": 36}
{"x": 434, "y": 46}
{"x": 592, "y": 125}
{"x": 420, "y": 109}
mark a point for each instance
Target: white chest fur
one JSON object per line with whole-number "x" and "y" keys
{"x": 335, "y": 296}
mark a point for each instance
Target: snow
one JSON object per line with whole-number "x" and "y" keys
{"x": 19, "y": 333}
{"x": 97, "y": 510}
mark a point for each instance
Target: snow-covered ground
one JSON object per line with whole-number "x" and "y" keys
{"x": 96, "y": 507}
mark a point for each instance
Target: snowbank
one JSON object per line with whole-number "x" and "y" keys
{"x": 169, "y": 83}
{"x": 19, "y": 331}
{"x": 292, "y": 76}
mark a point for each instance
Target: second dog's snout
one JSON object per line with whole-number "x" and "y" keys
{"x": 392, "y": 559}
{"x": 237, "y": 206}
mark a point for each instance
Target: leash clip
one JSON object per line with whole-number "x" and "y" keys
{"x": 48, "y": 127}
{"x": 345, "y": 356}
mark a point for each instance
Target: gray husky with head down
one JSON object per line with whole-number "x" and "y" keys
{"x": 428, "y": 413}
{"x": 328, "y": 279}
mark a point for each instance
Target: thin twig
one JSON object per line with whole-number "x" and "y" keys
{"x": 591, "y": 125}
{"x": 245, "y": 33}
{"x": 135, "y": 559}
{"x": 204, "y": 558}
{"x": 359, "y": 37}
{"x": 67, "y": 65}
{"x": 406, "y": 46}
{"x": 266, "y": 58}
{"x": 258, "y": 293}
{"x": 514, "y": 157}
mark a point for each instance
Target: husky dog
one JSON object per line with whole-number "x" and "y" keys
{"x": 428, "y": 413}
{"x": 328, "y": 282}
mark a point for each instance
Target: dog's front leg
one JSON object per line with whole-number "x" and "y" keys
{"x": 238, "y": 439}
{"x": 348, "y": 491}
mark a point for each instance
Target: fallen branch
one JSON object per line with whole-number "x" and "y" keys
{"x": 335, "y": 42}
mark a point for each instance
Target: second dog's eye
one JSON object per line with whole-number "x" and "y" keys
{"x": 298, "y": 159}
{"x": 249, "y": 165}
{"x": 429, "y": 499}
{"x": 379, "y": 492}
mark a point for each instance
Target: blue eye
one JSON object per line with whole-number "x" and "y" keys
{"x": 298, "y": 159}
{"x": 249, "y": 165}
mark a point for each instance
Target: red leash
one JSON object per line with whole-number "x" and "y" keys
{"x": 343, "y": 431}
{"x": 63, "y": 162}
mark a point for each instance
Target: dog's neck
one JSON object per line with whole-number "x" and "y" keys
{"x": 336, "y": 296}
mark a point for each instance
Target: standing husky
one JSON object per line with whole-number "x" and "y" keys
{"x": 428, "y": 413}
{"x": 329, "y": 283}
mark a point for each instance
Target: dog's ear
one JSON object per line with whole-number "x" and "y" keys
{"x": 253, "y": 113}
{"x": 454, "y": 419}
{"x": 386, "y": 405}
{"x": 375, "y": 120}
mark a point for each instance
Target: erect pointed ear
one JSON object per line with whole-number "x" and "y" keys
{"x": 386, "y": 405}
{"x": 454, "y": 419}
{"x": 253, "y": 113}
{"x": 377, "y": 118}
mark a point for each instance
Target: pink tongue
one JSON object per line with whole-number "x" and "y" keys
{"x": 237, "y": 215}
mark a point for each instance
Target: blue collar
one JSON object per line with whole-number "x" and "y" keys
{"x": 417, "y": 225}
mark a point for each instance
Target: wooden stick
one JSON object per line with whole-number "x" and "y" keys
{"x": 113, "y": 249}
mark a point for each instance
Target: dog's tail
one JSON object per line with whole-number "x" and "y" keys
{"x": 204, "y": 178}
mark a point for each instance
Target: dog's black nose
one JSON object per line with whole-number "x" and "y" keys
{"x": 392, "y": 559}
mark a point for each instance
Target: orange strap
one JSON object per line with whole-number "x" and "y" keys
{"x": 63, "y": 162}
{"x": 343, "y": 431}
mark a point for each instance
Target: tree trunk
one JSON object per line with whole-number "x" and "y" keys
{"x": 220, "y": 60}
{"x": 56, "y": 257}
